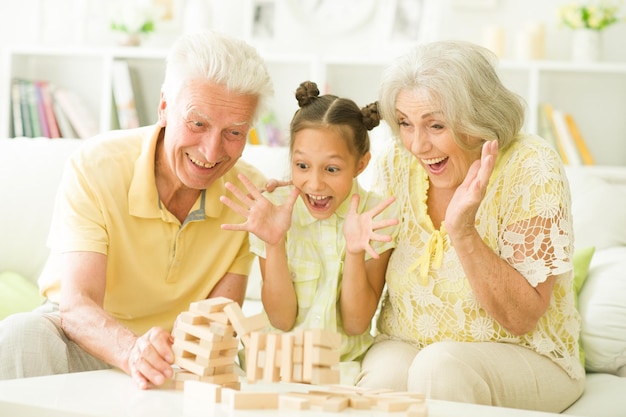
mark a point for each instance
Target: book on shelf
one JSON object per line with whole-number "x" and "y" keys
{"x": 41, "y": 112}
{"x": 124, "y": 96}
{"x": 47, "y": 113}
{"x": 581, "y": 145}
{"x": 560, "y": 129}
{"x": 564, "y": 136}
{"x": 30, "y": 97}
{"x": 81, "y": 119}
{"x": 16, "y": 110}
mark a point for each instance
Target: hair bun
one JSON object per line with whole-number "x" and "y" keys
{"x": 306, "y": 93}
{"x": 371, "y": 117}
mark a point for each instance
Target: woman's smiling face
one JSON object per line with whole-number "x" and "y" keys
{"x": 425, "y": 133}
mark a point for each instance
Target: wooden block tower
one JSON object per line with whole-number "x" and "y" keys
{"x": 307, "y": 356}
{"x": 205, "y": 346}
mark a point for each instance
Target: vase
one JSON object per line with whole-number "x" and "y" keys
{"x": 130, "y": 39}
{"x": 586, "y": 45}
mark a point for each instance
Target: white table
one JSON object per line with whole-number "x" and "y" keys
{"x": 111, "y": 393}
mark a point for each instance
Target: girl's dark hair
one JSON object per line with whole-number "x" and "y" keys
{"x": 331, "y": 111}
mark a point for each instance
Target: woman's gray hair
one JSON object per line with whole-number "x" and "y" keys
{"x": 218, "y": 58}
{"x": 461, "y": 80}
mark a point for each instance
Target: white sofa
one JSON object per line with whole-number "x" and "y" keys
{"x": 30, "y": 170}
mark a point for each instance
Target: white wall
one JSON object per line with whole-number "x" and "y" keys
{"x": 64, "y": 22}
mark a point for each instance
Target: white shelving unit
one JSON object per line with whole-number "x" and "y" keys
{"x": 595, "y": 93}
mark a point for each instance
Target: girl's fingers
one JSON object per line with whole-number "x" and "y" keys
{"x": 234, "y": 206}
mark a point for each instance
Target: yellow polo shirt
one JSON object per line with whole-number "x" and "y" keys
{"x": 108, "y": 203}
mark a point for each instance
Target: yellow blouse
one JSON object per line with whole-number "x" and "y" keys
{"x": 429, "y": 298}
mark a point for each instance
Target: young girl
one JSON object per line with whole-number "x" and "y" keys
{"x": 323, "y": 265}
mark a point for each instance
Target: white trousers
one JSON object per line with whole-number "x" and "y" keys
{"x": 497, "y": 374}
{"x": 33, "y": 344}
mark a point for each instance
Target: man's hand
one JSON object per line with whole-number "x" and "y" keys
{"x": 150, "y": 358}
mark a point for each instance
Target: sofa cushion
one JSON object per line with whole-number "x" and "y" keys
{"x": 582, "y": 261}
{"x": 597, "y": 210}
{"x": 603, "y": 310}
{"x": 27, "y": 204}
{"x": 17, "y": 294}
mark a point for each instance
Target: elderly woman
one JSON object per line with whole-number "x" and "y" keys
{"x": 479, "y": 305}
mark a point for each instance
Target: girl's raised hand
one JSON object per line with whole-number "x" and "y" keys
{"x": 267, "y": 221}
{"x": 358, "y": 229}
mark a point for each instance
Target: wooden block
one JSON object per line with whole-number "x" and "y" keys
{"x": 202, "y": 391}
{"x": 180, "y": 376}
{"x": 210, "y": 305}
{"x": 390, "y": 404}
{"x": 325, "y": 338}
{"x": 298, "y": 335}
{"x": 322, "y": 356}
{"x": 225, "y": 330}
{"x": 325, "y": 376}
{"x": 298, "y": 354}
{"x": 348, "y": 389}
{"x": 224, "y": 345}
{"x": 290, "y": 402}
{"x": 236, "y": 385}
{"x": 200, "y": 331}
{"x": 417, "y": 410}
{"x": 191, "y": 366}
{"x": 184, "y": 348}
{"x": 245, "y": 325}
{"x": 221, "y": 379}
{"x": 297, "y": 373}
{"x": 271, "y": 369}
{"x": 335, "y": 404}
{"x": 247, "y": 400}
{"x": 403, "y": 394}
{"x": 360, "y": 403}
{"x": 286, "y": 363}
{"x": 225, "y": 369}
{"x": 314, "y": 399}
{"x": 218, "y": 317}
{"x": 180, "y": 334}
{"x": 307, "y": 361}
{"x": 237, "y": 318}
{"x": 230, "y": 353}
{"x": 256, "y": 322}
{"x": 254, "y": 364}
{"x": 192, "y": 318}
{"x": 212, "y": 359}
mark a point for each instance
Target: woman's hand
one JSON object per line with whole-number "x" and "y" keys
{"x": 461, "y": 213}
{"x": 358, "y": 229}
{"x": 266, "y": 220}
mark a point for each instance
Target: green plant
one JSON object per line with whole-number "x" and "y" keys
{"x": 133, "y": 17}
{"x": 146, "y": 27}
{"x": 595, "y": 16}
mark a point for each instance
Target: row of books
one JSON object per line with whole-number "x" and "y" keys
{"x": 41, "y": 109}
{"x": 560, "y": 129}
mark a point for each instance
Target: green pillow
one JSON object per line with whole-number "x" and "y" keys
{"x": 17, "y": 294}
{"x": 582, "y": 260}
